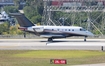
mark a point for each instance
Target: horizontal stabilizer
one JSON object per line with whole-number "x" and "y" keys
{"x": 22, "y": 20}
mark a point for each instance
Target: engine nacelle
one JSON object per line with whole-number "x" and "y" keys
{"x": 38, "y": 29}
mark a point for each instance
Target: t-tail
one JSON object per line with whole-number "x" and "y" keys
{"x": 22, "y": 20}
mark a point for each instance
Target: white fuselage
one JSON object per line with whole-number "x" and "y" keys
{"x": 59, "y": 31}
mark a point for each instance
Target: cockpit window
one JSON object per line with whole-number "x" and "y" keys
{"x": 82, "y": 29}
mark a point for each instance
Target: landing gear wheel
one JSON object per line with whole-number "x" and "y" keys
{"x": 85, "y": 38}
{"x": 50, "y": 39}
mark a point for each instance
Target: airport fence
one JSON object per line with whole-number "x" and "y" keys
{"x": 18, "y": 37}
{"x": 37, "y": 37}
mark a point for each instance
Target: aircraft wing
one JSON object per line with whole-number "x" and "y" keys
{"x": 52, "y": 36}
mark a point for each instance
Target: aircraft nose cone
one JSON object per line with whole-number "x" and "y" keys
{"x": 89, "y": 33}
{"x": 92, "y": 34}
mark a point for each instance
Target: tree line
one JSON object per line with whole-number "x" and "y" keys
{"x": 33, "y": 10}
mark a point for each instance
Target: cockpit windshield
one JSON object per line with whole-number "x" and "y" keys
{"x": 82, "y": 29}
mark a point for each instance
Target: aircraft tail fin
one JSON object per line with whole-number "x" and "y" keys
{"x": 22, "y": 20}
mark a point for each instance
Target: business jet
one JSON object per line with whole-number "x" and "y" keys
{"x": 50, "y": 32}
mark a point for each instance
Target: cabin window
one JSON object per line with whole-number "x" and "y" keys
{"x": 80, "y": 29}
{"x": 65, "y": 29}
{"x": 69, "y": 29}
{"x": 58, "y": 29}
{"x": 72, "y": 29}
{"x": 52, "y": 29}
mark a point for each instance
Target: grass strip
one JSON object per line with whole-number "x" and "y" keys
{"x": 42, "y": 57}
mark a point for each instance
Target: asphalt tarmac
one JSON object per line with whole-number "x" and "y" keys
{"x": 58, "y": 44}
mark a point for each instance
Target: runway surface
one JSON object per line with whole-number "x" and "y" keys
{"x": 101, "y": 64}
{"x": 58, "y": 44}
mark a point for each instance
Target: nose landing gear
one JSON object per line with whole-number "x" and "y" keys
{"x": 85, "y": 38}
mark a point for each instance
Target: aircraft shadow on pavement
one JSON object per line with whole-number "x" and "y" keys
{"x": 57, "y": 41}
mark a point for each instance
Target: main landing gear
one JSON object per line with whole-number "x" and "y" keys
{"x": 85, "y": 38}
{"x": 50, "y": 39}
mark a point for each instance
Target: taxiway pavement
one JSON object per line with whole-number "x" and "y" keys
{"x": 58, "y": 44}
